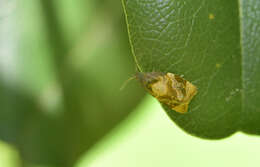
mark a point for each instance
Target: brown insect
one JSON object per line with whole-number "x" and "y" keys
{"x": 169, "y": 89}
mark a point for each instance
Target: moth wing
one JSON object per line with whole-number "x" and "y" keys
{"x": 183, "y": 108}
{"x": 191, "y": 91}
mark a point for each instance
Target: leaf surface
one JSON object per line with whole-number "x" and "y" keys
{"x": 213, "y": 44}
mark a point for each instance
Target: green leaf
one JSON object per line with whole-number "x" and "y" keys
{"x": 213, "y": 44}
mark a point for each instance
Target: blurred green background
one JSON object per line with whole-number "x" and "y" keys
{"x": 62, "y": 64}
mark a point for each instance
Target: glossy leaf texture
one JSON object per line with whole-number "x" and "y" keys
{"x": 213, "y": 44}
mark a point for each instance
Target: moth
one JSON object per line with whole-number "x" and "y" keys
{"x": 169, "y": 89}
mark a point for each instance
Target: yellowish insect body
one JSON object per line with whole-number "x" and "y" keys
{"x": 169, "y": 89}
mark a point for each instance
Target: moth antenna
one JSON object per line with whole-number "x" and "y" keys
{"x": 138, "y": 68}
{"x": 126, "y": 82}
{"x": 153, "y": 70}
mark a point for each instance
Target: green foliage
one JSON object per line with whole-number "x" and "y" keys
{"x": 213, "y": 44}
{"x": 70, "y": 59}
{"x": 62, "y": 64}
